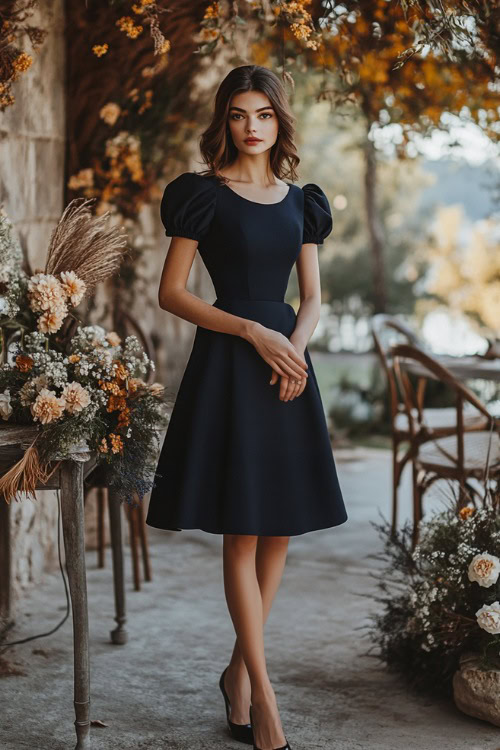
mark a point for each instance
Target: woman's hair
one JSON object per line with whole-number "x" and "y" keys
{"x": 216, "y": 144}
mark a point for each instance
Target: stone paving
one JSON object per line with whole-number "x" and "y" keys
{"x": 160, "y": 691}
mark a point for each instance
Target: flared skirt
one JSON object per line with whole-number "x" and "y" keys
{"x": 235, "y": 458}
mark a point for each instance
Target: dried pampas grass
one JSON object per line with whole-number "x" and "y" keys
{"x": 83, "y": 243}
{"x": 25, "y": 475}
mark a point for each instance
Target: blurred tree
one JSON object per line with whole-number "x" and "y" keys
{"x": 330, "y": 152}
{"x": 464, "y": 269}
{"x": 398, "y": 63}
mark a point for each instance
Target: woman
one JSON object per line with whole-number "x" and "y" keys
{"x": 247, "y": 452}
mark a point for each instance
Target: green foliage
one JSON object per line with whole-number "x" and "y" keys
{"x": 428, "y": 604}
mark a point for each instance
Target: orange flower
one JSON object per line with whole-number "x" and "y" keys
{"x": 103, "y": 446}
{"x": 116, "y": 443}
{"x": 466, "y": 512}
{"x": 24, "y": 362}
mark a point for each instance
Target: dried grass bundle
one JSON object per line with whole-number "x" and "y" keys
{"x": 83, "y": 243}
{"x": 25, "y": 474}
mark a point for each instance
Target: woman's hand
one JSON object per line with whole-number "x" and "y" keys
{"x": 290, "y": 388}
{"x": 278, "y": 351}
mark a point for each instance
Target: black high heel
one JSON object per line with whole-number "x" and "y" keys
{"x": 240, "y": 732}
{"x": 283, "y": 747}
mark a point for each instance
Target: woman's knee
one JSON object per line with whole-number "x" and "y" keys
{"x": 275, "y": 541}
{"x": 240, "y": 543}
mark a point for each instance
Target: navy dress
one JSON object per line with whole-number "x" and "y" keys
{"x": 235, "y": 458}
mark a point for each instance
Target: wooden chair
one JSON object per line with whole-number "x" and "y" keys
{"x": 434, "y": 421}
{"x": 137, "y": 529}
{"x": 462, "y": 456}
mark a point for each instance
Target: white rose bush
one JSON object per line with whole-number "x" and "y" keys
{"x": 77, "y": 383}
{"x": 442, "y": 599}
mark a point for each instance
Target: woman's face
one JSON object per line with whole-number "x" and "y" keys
{"x": 251, "y": 115}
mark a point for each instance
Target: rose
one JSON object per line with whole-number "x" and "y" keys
{"x": 488, "y": 618}
{"x": 484, "y": 569}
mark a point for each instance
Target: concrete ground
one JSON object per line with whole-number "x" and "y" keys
{"x": 160, "y": 691}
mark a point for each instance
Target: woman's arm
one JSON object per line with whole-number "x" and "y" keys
{"x": 310, "y": 295}
{"x": 275, "y": 348}
{"x": 307, "y": 315}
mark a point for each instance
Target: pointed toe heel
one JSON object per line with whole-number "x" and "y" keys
{"x": 284, "y": 747}
{"x": 239, "y": 732}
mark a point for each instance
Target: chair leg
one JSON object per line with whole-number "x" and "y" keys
{"x": 132, "y": 521}
{"x": 395, "y": 482}
{"x": 101, "y": 541}
{"x": 417, "y": 504}
{"x": 119, "y": 635}
{"x": 144, "y": 543}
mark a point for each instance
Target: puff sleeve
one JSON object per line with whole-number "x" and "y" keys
{"x": 318, "y": 221}
{"x": 187, "y": 206}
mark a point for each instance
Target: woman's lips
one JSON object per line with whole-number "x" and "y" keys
{"x": 253, "y": 140}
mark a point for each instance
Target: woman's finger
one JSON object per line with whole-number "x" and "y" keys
{"x": 289, "y": 389}
{"x": 291, "y": 369}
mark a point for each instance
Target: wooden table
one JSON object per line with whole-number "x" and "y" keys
{"x": 461, "y": 368}
{"x": 69, "y": 478}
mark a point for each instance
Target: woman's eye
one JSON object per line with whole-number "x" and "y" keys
{"x": 264, "y": 114}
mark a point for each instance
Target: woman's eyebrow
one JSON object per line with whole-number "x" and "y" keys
{"x": 257, "y": 110}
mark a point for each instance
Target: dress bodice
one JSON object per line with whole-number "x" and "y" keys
{"x": 248, "y": 248}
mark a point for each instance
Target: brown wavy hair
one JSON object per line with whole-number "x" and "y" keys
{"x": 216, "y": 144}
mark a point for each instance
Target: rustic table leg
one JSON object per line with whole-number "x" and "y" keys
{"x": 74, "y": 545}
{"x": 119, "y": 635}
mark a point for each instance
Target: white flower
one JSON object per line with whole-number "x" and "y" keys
{"x": 488, "y": 618}
{"x": 5, "y": 407}
{"x": 110, "y": 113}
{"x": 73, "y": 287}
{"x": 45, "y": 292}
{"x": 76, "y": 397}
{"x": 47, "y": 407}
{"x": 484, "y": 569}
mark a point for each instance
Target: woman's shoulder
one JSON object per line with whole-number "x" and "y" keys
{"x": 318, "y": 222}
{"x": 192, "y": 181}
{"x": 188, "y": 205}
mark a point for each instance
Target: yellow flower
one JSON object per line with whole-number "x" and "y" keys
{"x": 126, "y": 24}
{"x": 100, "y": 49}
{"x": 212, "y": 11}
{"x": 22, "y": 62}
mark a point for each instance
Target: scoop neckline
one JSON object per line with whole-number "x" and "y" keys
{"x": 258, "y": 203}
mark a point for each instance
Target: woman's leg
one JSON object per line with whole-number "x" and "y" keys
{"x": 253, "y": 568}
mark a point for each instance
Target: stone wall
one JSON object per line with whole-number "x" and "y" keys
{"x": 32, "y": 147}
{"x": 32, "y": 166}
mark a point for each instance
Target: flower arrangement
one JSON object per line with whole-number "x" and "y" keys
{"x": 75, "y": 385}
{"x": 441, "y": 600}
{"x": 15, "y": 25}
{"x": 94, "y": 393}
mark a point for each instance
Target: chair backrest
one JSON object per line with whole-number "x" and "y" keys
{"x": 380, "y": 325}
{"x": 412, "y": 395}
